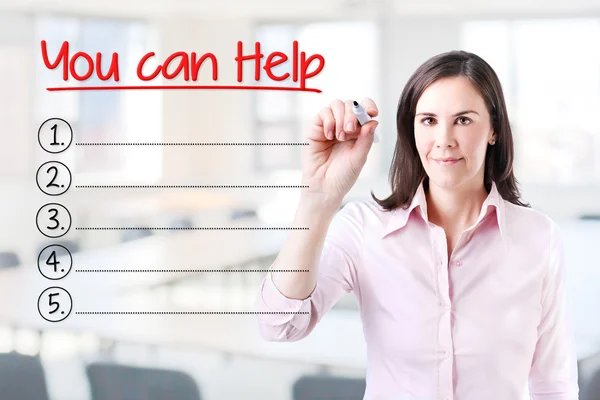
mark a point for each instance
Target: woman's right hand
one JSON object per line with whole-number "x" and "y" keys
{"x": 337, "y": 150}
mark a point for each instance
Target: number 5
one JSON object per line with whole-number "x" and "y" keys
{"x": 51, "y": 303}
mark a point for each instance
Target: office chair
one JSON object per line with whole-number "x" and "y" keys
{"x": 328, "y": 388}
{"x": 242, "y": 213}
{"x": 129, "y": 235}
{"x": 591, "y": 390}
{"x": 71, "y": 245}
{"x": 589, "y": 377}
{"x": 180, "y": 223}
{"x": 590, "y": 217}
{"x": 110, "y": 381}
{"x": 9, "y": 259}
{"x": 22, "y": 377}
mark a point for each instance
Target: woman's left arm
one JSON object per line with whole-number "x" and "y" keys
{"x": 553, "y": 374}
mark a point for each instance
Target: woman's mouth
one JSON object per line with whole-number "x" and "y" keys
{"x": 447, "y": 161}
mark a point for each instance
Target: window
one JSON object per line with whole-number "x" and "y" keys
{"x": 551, "y": 77}
{"x": 102, "y": 116}
{"x": 284, "y": 116}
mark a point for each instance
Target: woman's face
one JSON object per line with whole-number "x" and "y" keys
{"x": 452, "y": 132}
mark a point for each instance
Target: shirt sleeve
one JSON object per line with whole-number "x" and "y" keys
{"x": 284, "y": 319}
{"x": 553, "y": 374}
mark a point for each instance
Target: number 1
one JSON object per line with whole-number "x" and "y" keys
{"x": 54, "y": 142}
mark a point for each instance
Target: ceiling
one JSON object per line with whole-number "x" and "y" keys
{"x": 304, "y": 9}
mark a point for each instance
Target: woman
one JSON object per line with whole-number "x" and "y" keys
{"x": 461, "y": 285}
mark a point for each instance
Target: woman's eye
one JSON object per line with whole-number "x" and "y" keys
{"x": 424, "y": 120}
{"x": 465, "y": 121}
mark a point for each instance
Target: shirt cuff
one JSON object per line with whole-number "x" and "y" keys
{"x": 272, "y": 300}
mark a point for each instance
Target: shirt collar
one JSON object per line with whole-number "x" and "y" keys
{"x": 399, "y": 217}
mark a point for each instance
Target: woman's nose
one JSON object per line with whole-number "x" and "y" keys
{"x": 444, "y": 136}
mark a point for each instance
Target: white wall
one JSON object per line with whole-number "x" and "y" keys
{"x": 406, "y": 43}
{"x": 197, "y": 115}
{"x": 312, "y": 9}
{"x": 16, "y": 71}
{"x": 223, "y": 115}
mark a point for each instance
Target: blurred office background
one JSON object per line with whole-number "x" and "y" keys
{"x": 546, "y": 54}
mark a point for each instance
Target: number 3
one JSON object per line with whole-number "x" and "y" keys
{"x": 53, "y": 218}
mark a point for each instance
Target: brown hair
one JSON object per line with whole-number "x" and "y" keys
{"x": 406, "y": 171}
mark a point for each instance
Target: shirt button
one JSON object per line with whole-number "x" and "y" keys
{"x": 446, "y": 354}
{"x": 459, "y": 263}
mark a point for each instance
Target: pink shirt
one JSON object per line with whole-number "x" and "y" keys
{"x": 483, "y": 325}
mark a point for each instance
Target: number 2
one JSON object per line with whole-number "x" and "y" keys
{"x": 54, "y": 178}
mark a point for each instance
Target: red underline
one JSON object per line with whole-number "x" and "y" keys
{"x": 236, "y": 87}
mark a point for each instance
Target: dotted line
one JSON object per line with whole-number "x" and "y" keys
{"x": 191, "y": 186}
{"x": 192, "y": 270}
{"x": 188, "y": 312}
{"x": 184, "y": 228}
{"x": 190, "y": 144}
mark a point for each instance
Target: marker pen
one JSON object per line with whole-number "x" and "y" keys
{"x": 363, "y": 117}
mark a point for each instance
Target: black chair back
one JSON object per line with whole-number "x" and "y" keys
{"x": 22, "y": 377}
{"x": 242, "y": 213}
{"x": 180, "y": 223}
{"x": 328, "y": 388}
{"x": 9, "y": 259}
{"x": 110, "y": 381}
{"x": 135, "y": 234}
{"x": 71, "y": 245}
{"x": 591, "y": 390}
{"x": 589, "y": 377}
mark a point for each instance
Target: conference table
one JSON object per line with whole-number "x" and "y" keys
{"x": 227, "y": 334}
{"x": 99, "y": 278}
{"x": 97, "y": 295}
{"x": 230, "y": 334}
{"x": 94, "y": 294}
{"x": 166, "y": 203}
